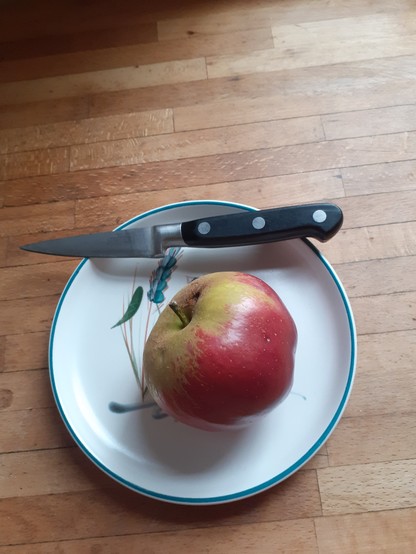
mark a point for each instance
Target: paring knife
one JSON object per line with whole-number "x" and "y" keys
{"x": 320, "y": 221}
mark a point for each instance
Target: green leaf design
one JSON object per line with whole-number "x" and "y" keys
{"x": 134, "y": 305}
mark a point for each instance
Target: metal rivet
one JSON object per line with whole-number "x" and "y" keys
{"x": 319, "y": 216}
{"x": 204, "y": 227}
{"x": 258, "y": 222}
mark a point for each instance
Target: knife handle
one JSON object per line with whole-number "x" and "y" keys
{"x": 319, "y": 221}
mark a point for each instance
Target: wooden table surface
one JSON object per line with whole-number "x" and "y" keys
{"x": 108, "y": 109}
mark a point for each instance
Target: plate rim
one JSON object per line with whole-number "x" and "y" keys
{"x": 251, "y": 490}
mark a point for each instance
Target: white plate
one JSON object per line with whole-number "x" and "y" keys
{"x": 98, "y": 397}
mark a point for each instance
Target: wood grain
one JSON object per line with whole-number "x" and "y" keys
{"x": 46, "y": 278}
{"x": 388, "y": 276}
{"x": 47, "y": 217}
{"x": 49, "y": 88}
{"x": 367, "y": 487}
{"x": 395, "y": 119}
{"x": 384, "y": 358}
{"x": 57, "y": 471}
{"x": 193, "y": 144}
{"x": 146, "y": 515}
{"x": 110, "y": 109}
{"x": 43, "y": 112}
{"x": 26, "y": 351}
{"x": 25, "y": 390}
{"x": 363, "y": 439}
{"x": 269, "y": 191}
{"x": 28, "y": 430}
{"x": 243, "y": 17}
{"x": 139, "y": 124}
{"x": 35, "y": 162}
{"x": 52, "y": 45}
{"x": 13, "y": 320}
{"x": 383, "y": 177}
{"x": 295, "y": 536}
{"x": 81, "y": 61}
{"x": 388, "y": 531}
{"x": 371, "y": 243}
{"x": 400, "y": 307}
{"x": 291, "y": 93}
{"x": 136, "y": 180}
{"x": 307, "y": 44}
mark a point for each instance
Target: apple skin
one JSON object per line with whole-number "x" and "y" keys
{"x": 232, "y": 363}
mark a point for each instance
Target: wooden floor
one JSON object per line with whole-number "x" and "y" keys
{"x": 108, "y": 109}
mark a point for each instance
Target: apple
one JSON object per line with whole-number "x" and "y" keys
{"x": 222, "y": 353}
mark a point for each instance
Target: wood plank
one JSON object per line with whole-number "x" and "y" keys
{"x": 140, "y": 124}
{"x": 371, "y": 243}
{"x": 38, "y": 113}
{"x": 376, "y": 178}
{"x": 2, "y": 352}
{"x": 25, "y": 390}
{"x": 296, "y": 536}
{"x": 378, "y": 209}
{"x": 106, "y": 80}
{"x": 39, "y": 218}
{"x": 368, "y": 26}
{"x": 3, "y": 250}
{"x": 35, "y": 162}
{"x": 66, "y": 20}
{"x": 28, "y": 430}
{"x": 305, "y": 187}
{"x": 384, "y": 358}
{"x": 196, "y": 143}
{"x": 57, "y": 470}
{"x": 367, "y": 487}
{"x": 386, "y": 276}
{"x": 46, "y": 516}
{"x": 59, "y": 62}
{"x": 371, "y": 312}
{"x": 388, "y": 81}
{"x": 319, "y": 43}
{"x": 80, "y": 185}
{"x": 27, "y": 315}
{"x": 26, "y": 351}
{"x": 89, "y": 17}
{"x": 122, "y": 181}
{"x": 388, "y": 531}
{"x": 393, "y": 119}
{"x": 361, "y": 440}
{"x": 45, "y": 279}
{"x": 276, "y": 59}
{"x": 301, "y": 103}
{"x": 289, "y": 158}
{"x": 51, "y": 45}
{"x": 245, "y": 17}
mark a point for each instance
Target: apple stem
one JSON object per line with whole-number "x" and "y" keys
{"x": 179, "y": 312}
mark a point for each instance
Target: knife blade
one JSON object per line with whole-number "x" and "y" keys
{"x": 321, "y": 221}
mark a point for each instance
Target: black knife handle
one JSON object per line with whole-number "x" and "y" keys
{"x": 319, "y": 221}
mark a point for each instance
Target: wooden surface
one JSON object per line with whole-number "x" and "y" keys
{"x": 108, "y": 109}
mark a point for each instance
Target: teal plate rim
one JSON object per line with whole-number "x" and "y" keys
{"x": 246, "y": 492}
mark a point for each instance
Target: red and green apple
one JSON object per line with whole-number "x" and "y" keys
{"x": 222, "y": 353}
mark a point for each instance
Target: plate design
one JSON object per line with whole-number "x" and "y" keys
{"x": 98, "y": 334}
{"x": 158, "y": 283}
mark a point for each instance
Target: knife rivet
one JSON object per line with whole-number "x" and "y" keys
{"x": 319, "y": 216}
{"x": 204, "y": 228}
{"x": 258, "y": 222}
